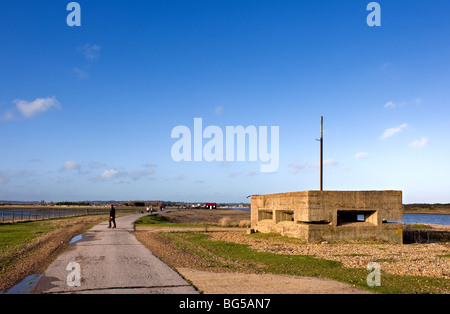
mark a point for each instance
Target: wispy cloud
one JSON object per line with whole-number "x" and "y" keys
{"x": 109, "y": 174}
{"x": 81, "y": 73}
{"x": 296, "y": 168}
{"x": 305, "y": 167}
{"x": 327, "y": 163}
{"x": 138, "y": 174}
{"x": 218, "y": 111}
{"x": 390, "y": 104}
{"x": 424, "y": 141}
{"x": 392, "y": 131}
{"x": 96, "y": 165}
{"x": 4, "y": 177}
{"x": 89, "y": 51}
{"x": 179, "y": 178}
{"x": 124, "y": 176}
{"x": 361, "y": 155}
{"x": 8, "y": 115}
{"x": 71, "y": 165}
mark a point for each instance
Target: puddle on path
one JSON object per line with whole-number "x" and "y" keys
{"x": 25, "y": 286}
{"x": 76, "y": 239}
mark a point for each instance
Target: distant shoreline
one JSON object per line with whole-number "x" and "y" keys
{"x": 437, "y": 209}
{"x": 432, "y": 209}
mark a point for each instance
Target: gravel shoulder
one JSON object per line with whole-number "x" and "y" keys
{"x": 429, "y": 260}
{"x": 239, "y": 283}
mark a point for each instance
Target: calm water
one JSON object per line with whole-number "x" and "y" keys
{"x": 413, "y": 218}
{"x": 25, "y": 286}
{"x": 33, "y": 214}
{"x": 426, "y": 219}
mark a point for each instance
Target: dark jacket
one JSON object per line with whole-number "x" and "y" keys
{"x": 112, "y": 212}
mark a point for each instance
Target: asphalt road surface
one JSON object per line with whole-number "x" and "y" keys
{"x": 110, "y": 261}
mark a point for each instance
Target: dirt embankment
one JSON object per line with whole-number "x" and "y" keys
{"x": 443, "y": 209}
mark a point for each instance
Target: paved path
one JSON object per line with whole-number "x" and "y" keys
{"x": 111, "y": 261}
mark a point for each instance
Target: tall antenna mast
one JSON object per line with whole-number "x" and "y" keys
{"x": 321, "y": 153}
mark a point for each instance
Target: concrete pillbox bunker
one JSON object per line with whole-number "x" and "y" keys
{"x": 316, "y": 216}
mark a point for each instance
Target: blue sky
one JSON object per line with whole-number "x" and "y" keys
{"x": 86, "y": 113}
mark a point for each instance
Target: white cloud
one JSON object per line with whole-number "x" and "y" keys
{"x": 392, "y": 131}
{"x": 420, "y": 143}
{"x": 108, "y": 174}
{"x": 29, "y": 109}
{"x": 390, "y": 104}
{"x": 71, "y": 165}
{"x": 361, "y": 155}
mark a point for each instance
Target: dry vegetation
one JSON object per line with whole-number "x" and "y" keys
{"x": 220, "y": 217}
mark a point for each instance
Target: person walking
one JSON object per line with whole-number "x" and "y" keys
{"x": 112, "y": 216}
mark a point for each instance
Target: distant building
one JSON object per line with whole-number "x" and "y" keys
{"x": 211, "y": 205}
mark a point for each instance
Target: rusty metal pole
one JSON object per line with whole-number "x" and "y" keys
{"x": 321, "y": 153}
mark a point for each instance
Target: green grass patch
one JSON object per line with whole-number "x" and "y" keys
{"x": 419, "y": 226}
{"x": 302, "y": 265}
{"x": 275, "y": 236}
{"x": 154, "y": 220}
{"x": 162, "y": 221}
{"x": 16, "y": 235}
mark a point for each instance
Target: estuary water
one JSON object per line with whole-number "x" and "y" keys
{"x": 426, "y": 219}
{"x": 435, "y": 219}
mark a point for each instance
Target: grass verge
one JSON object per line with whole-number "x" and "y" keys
{"x": 232, "y": 256}
{"x": 15, "y": 236}
{"x": 161, "y": 221}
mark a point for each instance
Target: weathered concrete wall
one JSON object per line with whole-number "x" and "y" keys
{"x": 330, "y": 215}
